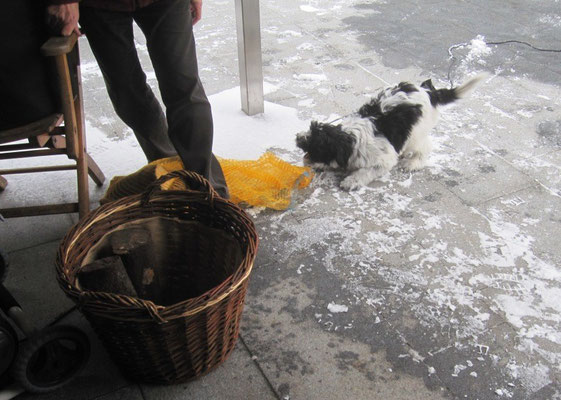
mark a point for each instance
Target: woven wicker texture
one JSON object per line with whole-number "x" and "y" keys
{"x": 207, "y": 239}
{"x": 266, "y": 182}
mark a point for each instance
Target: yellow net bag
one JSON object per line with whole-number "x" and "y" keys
{"x": 266, "y": 182}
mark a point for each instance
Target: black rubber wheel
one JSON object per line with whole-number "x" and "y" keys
{"x": 51, "y": 358}
{"x": 8, "y": 347}
{"x": 3, "y": 265}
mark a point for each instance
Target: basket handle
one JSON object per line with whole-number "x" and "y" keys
{"x": 90, "y": 301}
{"x": 193, "y": 181}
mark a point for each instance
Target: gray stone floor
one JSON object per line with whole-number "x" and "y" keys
{"x": 450, "y": 276}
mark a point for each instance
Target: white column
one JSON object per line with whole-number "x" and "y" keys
{"x": 249, "y": 54}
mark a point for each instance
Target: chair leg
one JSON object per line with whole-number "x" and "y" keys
{"x": 75, "y": 131}
{"x": 3, "y": 183}
{"x": 82, "y": 168}
{"x": 83, "y": 187}
{"x": 94, "y": 171}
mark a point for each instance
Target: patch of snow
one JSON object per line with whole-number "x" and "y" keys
{"x": 309, "y": 9}
{"x": 478, "y": 48}
{"x": 239, "y": 136}
{"x": 552, "y": 20}
{"x": 457, "y": 369}
{"x": 311, "y": 77}
{"x": 337, "y": 308}
{"x": 532, "y": 377}
{"x": 309, "y": 103}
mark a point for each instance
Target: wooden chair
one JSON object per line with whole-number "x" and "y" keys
{"x": 59, "y": 133}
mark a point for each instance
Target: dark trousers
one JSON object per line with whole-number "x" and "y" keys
{"x": 186, "y": 129}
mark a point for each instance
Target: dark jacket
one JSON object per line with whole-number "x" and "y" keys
{"x": 115, "y": 5}
{"x": 26, "y": 90}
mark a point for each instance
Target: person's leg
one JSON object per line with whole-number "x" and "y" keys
{"x": 169, "y": 36}
{"x": 110, "y": 35}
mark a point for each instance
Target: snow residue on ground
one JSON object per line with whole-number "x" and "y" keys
{"x": 337, "y": 308}
{"x": 309, "y": 103}
{"x": 88, "y": 70}
{"x": 311, "y": 77}
{"x": 311, "y": 81}
{"x": 319, "y": 8}
{"x": 551, "y": 20}
{"x": 116, "y": 156}
{"x": 545, "y": 166}
{"x": 308, "y": 8}
{"x": 478, "y": 49}
{"x": 472, "y": 54}
{"x": 533, "y": 377}
{"x": 528, "y": 293}
{"x": 461, "y": 286}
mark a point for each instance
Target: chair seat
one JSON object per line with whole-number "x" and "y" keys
{"x": 44, "y": 125}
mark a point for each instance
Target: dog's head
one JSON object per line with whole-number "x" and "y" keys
{"x": 303, "y": 139}
{"x": 326, "y": 144}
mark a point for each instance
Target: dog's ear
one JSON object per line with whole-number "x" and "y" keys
{"x": 344, "y": 145}
{"x": 428, "y": 85}
{"x": 342, "y": 156}
{"x": 303, "y": 138}
{"x": 315, "y": 126}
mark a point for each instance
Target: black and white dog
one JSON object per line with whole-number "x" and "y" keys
{"x": 393, "y": 128}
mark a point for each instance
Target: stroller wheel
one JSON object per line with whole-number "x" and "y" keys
{"x": 8, "y": 347}
{"x": 51, "y": 358}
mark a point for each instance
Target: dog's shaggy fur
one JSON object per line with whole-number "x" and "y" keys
{"x": 393, "y": 128}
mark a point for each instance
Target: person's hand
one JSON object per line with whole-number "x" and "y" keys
{"x": 196, "y": 10}
{"x": 63, "y": 18}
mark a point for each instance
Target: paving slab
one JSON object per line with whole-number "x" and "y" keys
{"x": 31, "y": 279}
{"x": 16, "y": 234}
{"x": 296, "y": 343}
{"x": 238, "y": 378}
{"x": 545, "y": 170}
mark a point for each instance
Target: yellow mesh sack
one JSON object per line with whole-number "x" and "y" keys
{"x": 266, "y": 182}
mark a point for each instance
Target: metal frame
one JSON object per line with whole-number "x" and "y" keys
{"x": 249, "y": 54}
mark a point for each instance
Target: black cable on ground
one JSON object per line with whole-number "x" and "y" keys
{"x": 527, "y": 44}
{"x": 496, "y": 43}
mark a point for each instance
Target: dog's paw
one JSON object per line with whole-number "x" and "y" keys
{"x": 319, "y": 167}
{"x": 411, "y": 164}
{"x": 350, "y": 183}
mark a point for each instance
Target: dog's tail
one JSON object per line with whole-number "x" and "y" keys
{"x": 446, "y": 96}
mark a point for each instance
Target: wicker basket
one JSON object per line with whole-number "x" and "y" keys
{"x": 184, "y": 340}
